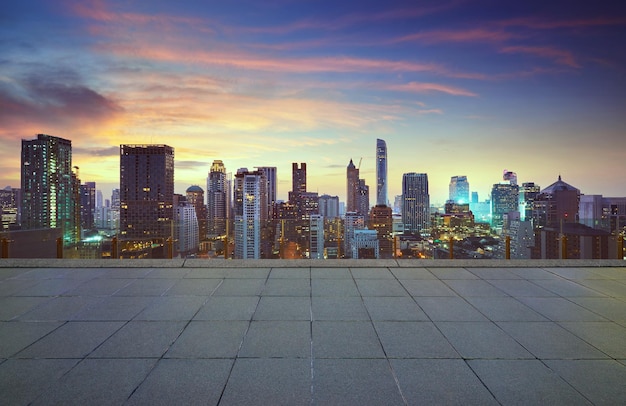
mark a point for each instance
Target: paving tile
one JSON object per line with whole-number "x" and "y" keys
{"x": 380, "y": 287}
{"x": 534, "y": 273}
{"x": 602, "y": 382}
{"x": 452, "y": 273}
{"x": 209, "y": 339}
{"x": 482, "y": 340}
{"x": 448, "y": 309}
{"x": 247, "y": 273}
{"x": 394, "y": 309}
{"x": 494, "y": 273}
{"x": 23, "y": 380}
{"x": 564, "y": 287}
{"x": 330, "y": 273}
{"x": 14, "y": 286}
{"x": 612, "y": 309}
{"x": 172, "y": 308}
{"x": 283, "y": 308}
{"x": 168, "y": 273}
{"x": 98, "y": 382}
{"x": 371, "y": 273}
{"x": 17, "y": 335}
{"x": 525, "y": 382}
{"x": 440, "y": 382}
{"x": 471, "y": 287}
{"x": 290, "y": 273}
{"x": 126, "y": 273}
{"x": 354, "y": 382}
{"x": 60, "y": 308}
{"x": 183, "y": 382}
{"x": 100, "y": 287}
{"x": 288, "y": 287}
{"x": 228, "y": 308}
{"x": 353, "y": 339}
{"x": 72, "y": 340}
{"x": 146, "y": 287}
{"x": 427, "y": 288}
{"x": 277, "y": 339}
{"x": 610, "y": 288}
{"x": 140, "y": 339}
{"x": 50, "y": 287}
{"x": 560, "y": 309}
{"x": 547, "y": 340}
{"x": 412, "y": 273}
{"x": 206, "y": 273}
{"x": 410, "y": 339}
{"x": 504, "y": 309}
{"x": 6, "y": 273}
{"x": 240, "y": 287}
{"x": 574, "y": 273}
{"x": 338, "y": 308}
{"x": 194, "y": 287}
{"x": 608, "y": 337}
{"x": 334, "y": 287}
{"x": 12, "y": 307}
{"x": 114, "y": 308}
{"x": 269, "y": 382}
{"x": 521, "y": 288}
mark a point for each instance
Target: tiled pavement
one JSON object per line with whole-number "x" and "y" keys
{"x": 364, "y": 333}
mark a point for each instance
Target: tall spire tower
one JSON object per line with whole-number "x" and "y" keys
{"x": 381, "y": 173}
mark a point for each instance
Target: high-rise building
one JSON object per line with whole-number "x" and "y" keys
{"x": 218, "y": 199}
{"x": 365, "y": 244}
{"x": 250, "y": 198}
{"x": 504, "y": 200}
{"x": 298, "y": 177}
{"x": 381, "y": 220}
{"x": 49, "y": 196}
{"x": 509, "y": 176}
{"x": 10, "y": 199}
{"x": 329, "y": 206}
{"x": 272, "y": 182}
{"x": 316, "y": 236}
{"x": 353, "y": 188}
{"x": 604, "y": 213}
{"x": 459, "y": 189}
{"x": 195, "y": 196}
{"x": 187, "y": 229}
{"x": 87, "y": 205}
{"x": 381, "y": 173}
{"x": 527, "y": 195}
{"x": 556, "y": 204}
{"x": 353, "y": 221}
{"x": 146, "y": 192}
{"x": 415, "y": 203}
{"x": 363, "y": 198}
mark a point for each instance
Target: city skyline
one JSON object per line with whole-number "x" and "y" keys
{"x": 454, "y": 88}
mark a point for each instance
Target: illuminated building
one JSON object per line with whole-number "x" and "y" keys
{"x": 381, "y": 221}
{"x": 604, "y": 213}
{"x": 50, "y": 198}
{"x": 316, "y": 236}
{"x": 9, "y": 208}
{"x": 363, "y": 198}
{"x": 556, "y": 204}
{"x": 272, "y": 181}
{"x": 218, "y": 199}
{"x": 527, "y": 194}
{"x": 504, "y": 199}
{"x": 353, "y": 188}
{"x": 250, "y": 196}
{"x": 365, "y": 244}
{"x": 381, "y": 173}
{"x": 415, "y": 203}
{"x": 195, "y": 196}
{"x": 87, "y": 205}
{"x": 186, "y": 231}
{"x": 459, "y": 189}
{"x": 353, "y": 221}
{"x": 510, "y": 177}
{"x": 146, "y": 192}
{"x": 298, "y": 177}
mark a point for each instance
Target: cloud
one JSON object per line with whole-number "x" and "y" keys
{"x": 473, "y": 35}
{"x": 98, "y": 152}
{"x": 549, "y": 24}
{"x": 419, "y": 87}
{"x": 559, "y": 56}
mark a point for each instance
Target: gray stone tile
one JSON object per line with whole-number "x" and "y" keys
{"x": 412, "y": 273}
{"x": 168, "y": 273}
{"x": 440, "y": 382}
{"x": 471, "y": 287}
{"x": 410, "y": 339}
{"x": 333, "y": 287}
{"x": 612, "y": 309}
{"x": 126, "y": 273}
{"x": 288, "y": 287}
{"x": 114, "y": 308}
{"x": 338, "y": 308}
{"x": 607, "y": 287}
{"x": 608, "y": 337}
{"x": 194, "y": 287}
{"x": 206, "y": 273}
{"x": 50, "y": 287}
{"x": 12, "y": 307}
{"x": 23, "y": 380}
{"x": 330, "y": 273}
{"x": 525, "y": 382}
{"x": 183, "y": 382}
{"x": 349, "y": 339}
{"x": 6, "y": 273}
{"x": 380, "y": 287}
{"x": 494, "y": 273}
{"x": 504, "y": 309}
{"x": 240, "y": 287}
{"x": 269, "y": 382}
{"x": 482, "y": 340}
{"x": 371, "y": 273}
{"x": 209, "y": 339}
{"x": 14, "y": 286}
{"x": 172, "y": 308}
{"x": 427, "y": 288}
{"x": 564, "y": 287}
{"x": 60, "y": 308}
{"x": 521, "y": 288}
{"x": 140, "y": 339}
{"x": 247, "y": 273}
{"x": 71, "y": 340}
{"x": 560, "y": 309}
{"x": 100, "y": 287}
{"x": 452, "y": 273}
{"x": 449, "y": 309}
{"x": 228, "y": 308}
{"x": 547, "y": 340}
{"x": 277, "y": 339}
{"x": 534, "y": 273}
{"x": 602, "y": 382}
{"x": 98, "y": 382}
{"x": 354, "y": 382}
{"x": 146, "y": 287}
{"x": 290, "y": 273}
{"x": 574, "y": 273}
{"x": 17, "y": 335}
{"x": 394, "y": 309}
{"x": 283, "y": 308}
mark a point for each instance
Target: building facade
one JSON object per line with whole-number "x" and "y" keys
{"x": 352, "y": 188}
{"x": 218, "y": 199}
{"x": 381, "y": 173}
{"x": 195, "y": 196}
{"x": 504, "y": 200}
{"x": 556, "y": 204}
{"x": 250, "y": 197}
{"x": 415, "y": 203}
{"x": 459, "y": 190}
{"x": 186, "y": 231}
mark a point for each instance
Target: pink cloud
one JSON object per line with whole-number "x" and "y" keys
{"x": 469, "y": 35}
{"x": 543, "y": 24}
{"x": 418, "y": 87}
{"x": 559, "y": 56}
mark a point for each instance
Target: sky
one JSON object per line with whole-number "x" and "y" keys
{"x": 454, "y": 88}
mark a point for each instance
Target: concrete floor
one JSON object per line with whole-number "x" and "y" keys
{"x": 312, "y": 332}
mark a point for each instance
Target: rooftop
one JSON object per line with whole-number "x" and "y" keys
{"x": 312, "y": 332}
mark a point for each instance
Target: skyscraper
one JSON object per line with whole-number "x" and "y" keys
{"x": 527, "y": 195}
{"x": 353, "y": 187}
{"x": 363, "y": 198}
{"x": 298, "y": 178}
{"x": 146, "y": 192}
{"x": 218, "y": 199}
{"x": 381, "y": 173}
{"x": 272, "y": 182}
{"x": 49, "y": 194}
{"x": 504, "y": 200}
{"x": 329, "y": 206}
{"x": 186, "y": 230}
{"x": 415, "y": 203}
{"x": 87, "y": 205}
{"x": 195, "y": 197}
{"x": 381, "y": 220}
{"x": 250, "y": 212}
{"x": 459, "y": 189}
{"x": 556, "y": 204}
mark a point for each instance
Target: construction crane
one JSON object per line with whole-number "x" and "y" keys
{"x": 359, "y": 167}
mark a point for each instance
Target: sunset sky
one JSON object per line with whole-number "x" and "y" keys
{"x": 454, "y": 87}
